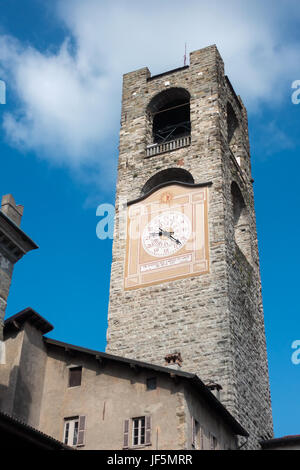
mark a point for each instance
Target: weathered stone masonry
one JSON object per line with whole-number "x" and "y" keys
{"x": 215, "y": 320}
{"x": 14, "y": 243}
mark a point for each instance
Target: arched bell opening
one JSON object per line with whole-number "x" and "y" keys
{"x": 234, "y": 135}
{"x": 169, "y": 175}
{"x": 169, "y": 116}
{"x": 241, "y": 222}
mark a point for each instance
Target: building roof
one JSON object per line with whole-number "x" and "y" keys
{"x": 20, "y": 232}
{"x": 187, "y": 376}
{"x": 30, "y": 315}
{"x": 17, "y": 434}
{"x": 13, "y": 240}
{"x": 281, "y": 441}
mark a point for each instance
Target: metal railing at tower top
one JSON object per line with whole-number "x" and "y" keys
{"x": 156, "y": 149}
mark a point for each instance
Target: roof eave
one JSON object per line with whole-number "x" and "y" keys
{"x": 194, "y": 379}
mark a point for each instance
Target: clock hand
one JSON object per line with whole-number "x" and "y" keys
{"x": 175, "y": 240}
{"x": 168, "y": 234}
{"x": 164, "y": 232}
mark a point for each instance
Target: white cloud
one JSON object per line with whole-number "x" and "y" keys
{"x": 63, "y": 109}
{"x": 69, "y": 101}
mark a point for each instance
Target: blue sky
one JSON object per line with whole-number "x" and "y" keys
{"x": 63, "y": 63}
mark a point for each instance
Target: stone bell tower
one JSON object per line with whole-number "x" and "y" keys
{"x": 185, "y": 273}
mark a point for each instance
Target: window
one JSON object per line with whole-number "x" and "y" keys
{"x": 74, "y": 431}
{"x": 213, "y": 442}
{"x": 151, "y": 383}
{"x": 75, "y": 374}
{"x": 140, "y": 429}
{"x": 197, "y": 435}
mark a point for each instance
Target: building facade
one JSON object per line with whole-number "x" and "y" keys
{"x": 90, "y": 400}
{"x": 185, "y": 273}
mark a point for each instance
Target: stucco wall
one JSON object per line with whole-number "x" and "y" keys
{"x": 107, "y": 396}
{"x": 30, "y": 380}
{"x": 9, "y": 370}
{"x": 111, "y": 393}
{"x": 209, "y": 421}
{"x": 22, "y": 376}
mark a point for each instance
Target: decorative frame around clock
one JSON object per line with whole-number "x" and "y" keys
{"x": 142, "y": 269}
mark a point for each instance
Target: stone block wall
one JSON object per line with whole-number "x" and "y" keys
{"x": 14, "y": 212}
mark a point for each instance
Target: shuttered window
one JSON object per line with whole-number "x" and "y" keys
{"x": 140, "y": 431}
{"x": 74, "y": 432}
{"x": 75, "y": 374}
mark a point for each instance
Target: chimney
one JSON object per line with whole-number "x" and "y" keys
{"x": 215, "y": 389}
{"x": 174, "y": 360}
{"x": 11, "y": 210}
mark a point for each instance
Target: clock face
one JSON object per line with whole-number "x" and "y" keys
{"x": 166, "y": 234}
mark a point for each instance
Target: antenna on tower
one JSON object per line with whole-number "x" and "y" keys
{"x": 184, "y": 57}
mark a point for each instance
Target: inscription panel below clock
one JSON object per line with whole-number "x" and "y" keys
{"x": 167, "y": 236}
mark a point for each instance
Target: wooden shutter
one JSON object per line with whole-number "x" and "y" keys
{"x": 148, "y": 430}
{"x": 81, "y": 431}
{"x": 126, "y": 433}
